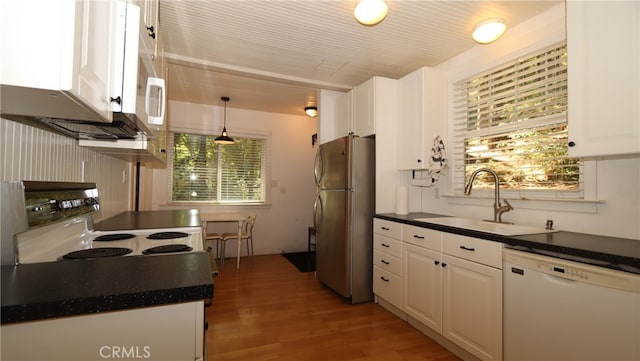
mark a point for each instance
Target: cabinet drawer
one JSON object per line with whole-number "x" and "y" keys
{"x": 388, "y": 286}
{"x": 473, "y": 249}
{"x": 423, "y": 237}
{"x": 386, "y": 261}
{"x": 387, "y": 228}
{"x": 387, "y": 245}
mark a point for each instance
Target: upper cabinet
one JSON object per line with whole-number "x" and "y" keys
{"x": 422, "y": 109}
{"x": 344, "y": 114}
{"x": 603, "y": 45}
{"x": 374, "y": 101}
{"x": 149, "y": 39}
{"x": 59, "y": 58}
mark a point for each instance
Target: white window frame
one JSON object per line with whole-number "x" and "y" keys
{"x": 254, "y": 134}
{"x": 588, "y": 193}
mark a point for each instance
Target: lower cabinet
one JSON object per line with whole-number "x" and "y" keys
{"x": 472, "y": 307}
{"x": 453, "y": 285}
{"x": 423, "y": 285}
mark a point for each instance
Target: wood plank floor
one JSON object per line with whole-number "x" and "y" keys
{"x": 268, "y": 310}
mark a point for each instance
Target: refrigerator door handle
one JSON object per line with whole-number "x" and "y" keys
{"x": 317, "y": 212}
{"x": 317, "y": 166}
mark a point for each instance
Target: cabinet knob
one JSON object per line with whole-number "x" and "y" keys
{"x": 572, "y": 144}
{"x": 419, "y": 160}
{"x": 151, "y": 33}
{"x": 444, "y": 264}
{"x": 436, "y": 262}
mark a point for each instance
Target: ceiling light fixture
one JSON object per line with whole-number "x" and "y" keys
{"x": 370, "y": 12}
{"x": 311, "y": 111}
{"x": 489, "y": 30}
{"x": 224, "y": 138}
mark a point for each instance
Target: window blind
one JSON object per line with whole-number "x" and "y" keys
{"x": 204, "y": 171}
{"x": 513, "y": 119}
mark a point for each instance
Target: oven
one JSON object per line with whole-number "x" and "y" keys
{"x": 52, "y": 222}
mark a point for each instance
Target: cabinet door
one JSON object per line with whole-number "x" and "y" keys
{"x": 472, "y": 307}
{"x": 423, "y": 115}
{"x": 412, "y": 154}
{"x": 93, "y": 54}
{"x": 344, "y": 114}
{"x": 363, "y": 99}
{"x": 604, "y": 77}
{"x": 422, "y": 277}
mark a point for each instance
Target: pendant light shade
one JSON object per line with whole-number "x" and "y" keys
{"x": 224, "y": 138}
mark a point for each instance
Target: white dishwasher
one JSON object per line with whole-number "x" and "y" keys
{"x": 562, "y": 310}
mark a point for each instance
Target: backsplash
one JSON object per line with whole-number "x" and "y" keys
{"x": 29, "y": 153}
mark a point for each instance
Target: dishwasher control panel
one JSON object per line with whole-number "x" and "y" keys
{"x": 520, "y": 263}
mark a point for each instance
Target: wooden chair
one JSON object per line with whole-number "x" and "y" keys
{"x": 209, "y": 238}
{"x": 247, "y": 235}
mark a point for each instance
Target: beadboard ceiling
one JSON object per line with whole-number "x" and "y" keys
{"x": 274, "y": 55}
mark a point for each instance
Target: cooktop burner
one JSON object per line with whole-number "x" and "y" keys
{"x": 168, "y": 248}
{"x": 97, "y": 253}
{"x": 167, "y": 235}
{"x": 114, "y": 237}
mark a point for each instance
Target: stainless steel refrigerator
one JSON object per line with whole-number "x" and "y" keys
{"x": 343, "y": 216}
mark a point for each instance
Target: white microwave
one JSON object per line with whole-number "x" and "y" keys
{"x": 138, "y": 91}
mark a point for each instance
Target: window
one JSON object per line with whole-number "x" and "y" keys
{"x": 203, "y": 171}
{"x": 514, "y": 120}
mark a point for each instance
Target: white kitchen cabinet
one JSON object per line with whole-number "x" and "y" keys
{"x": 149, "y": 26}
{"x": 59, "y": 58}
{"x": 344, "y": 114}
{"x": 472, "y": 295}
{"x": 603, "y": 47}
{"x": 423, "y": 285}
{"x": 374, "y": 101}
{"x": 422, "y": 109}
{"x": 453, "y": 285}
{"x": 387, "y": 263}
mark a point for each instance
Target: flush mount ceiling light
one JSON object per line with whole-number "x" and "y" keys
{"x": 224, "y": 138}
{"x": 311, "y": 111}
{"x": 370, "y": 12}
{"x": 489, "y": 30}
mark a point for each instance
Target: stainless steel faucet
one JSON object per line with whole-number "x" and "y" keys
{"x": 498, "y": 209}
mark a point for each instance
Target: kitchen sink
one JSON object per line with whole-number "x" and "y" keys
{"x": 502, "y": 229}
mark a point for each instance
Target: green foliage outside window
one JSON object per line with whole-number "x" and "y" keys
{"x": 209, "y": 172}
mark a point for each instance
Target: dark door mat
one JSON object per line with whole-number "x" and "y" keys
{"x": 304, "y": 261}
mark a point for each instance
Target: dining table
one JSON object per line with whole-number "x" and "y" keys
{"x": 225, "y": 217}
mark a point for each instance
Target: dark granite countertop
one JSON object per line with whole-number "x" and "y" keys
{"x": 150, "y": 220}
{"x": 57, "y": 289}
{"x": 610, "y": 252}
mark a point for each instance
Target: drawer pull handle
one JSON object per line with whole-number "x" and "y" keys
{"x": 384, "y": 261}
{"x": 384, "y": 245}
{"x": 436, "y": 262}
{"x": 467, "y": 248}
{"x": 384, "y": 279}
{"x": 385, "y": 228}
{"x": 418, "y": 237}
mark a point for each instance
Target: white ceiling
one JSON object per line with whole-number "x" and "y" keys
{"x": 273, "y": 55}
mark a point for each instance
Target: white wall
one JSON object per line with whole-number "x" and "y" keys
{"x": 616, "y": 186}
{"x": 282, "y": 224}
{"x": 28, "y": 153}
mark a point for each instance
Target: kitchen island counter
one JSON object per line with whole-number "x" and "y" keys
{"x": 150, "y": 220}
{"x": 611, "y": 252}
{"x": 69, "y": 288}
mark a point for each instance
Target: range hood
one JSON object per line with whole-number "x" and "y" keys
{"x": 124, "y": 126}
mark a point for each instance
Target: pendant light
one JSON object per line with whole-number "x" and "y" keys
{"x": 224, "y": 138}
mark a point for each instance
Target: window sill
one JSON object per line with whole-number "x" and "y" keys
{"x": 549, "y": 204}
